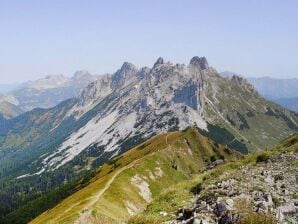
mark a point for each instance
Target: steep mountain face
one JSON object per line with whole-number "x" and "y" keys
{"x": 127, "y": 184}
{"x": 118, "y": 111}
{"x": 51, "y": 90}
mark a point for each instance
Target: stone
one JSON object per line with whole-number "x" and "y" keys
{"x": 185, "y": 214}
{"x": 199, "y": 62}
{"x": 218, "y": 162}
{"x": 284, "y": 210}
{"x": 230, "y": 203}
{"x": 162, "y": 213}
{"x": 285, "y": 191}
{"x": 197, "y": 221}
{"x": 268, "y": 199}
{"x": 220, "y": 208}
{"x": 226, "y": 219}
{"x": 159, "y": 61}
{"x": 261, "y": 206}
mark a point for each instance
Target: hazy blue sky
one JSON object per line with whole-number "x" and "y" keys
{"x": 253, "y": 38}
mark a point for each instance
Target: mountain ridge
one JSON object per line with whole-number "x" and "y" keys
{"x": 190, "y": 152}
{"x": 120, "y": 110}
{"x": 49, "y": 91}
{"x": 278, "y": 90}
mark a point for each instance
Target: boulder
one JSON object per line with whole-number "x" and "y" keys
{"x": 220, "y": 208}
{"x": 229, "y": 203}
{"x": 227, "y": 218}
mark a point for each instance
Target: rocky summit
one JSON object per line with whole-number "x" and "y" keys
{"x": 119, "y": 110}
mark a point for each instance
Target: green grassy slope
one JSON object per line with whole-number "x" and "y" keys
{"x": 257, "y": 123}
{"x": 124, "y": 186}
{"x": 179, "y": 195}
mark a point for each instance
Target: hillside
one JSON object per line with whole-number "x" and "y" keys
{"x": 278, "y": 90}
{"x": 9, "y": 107}
{"x": 126, "y": 184}
{"x": 261, "y": 188}
{"x": 42, "y": 149}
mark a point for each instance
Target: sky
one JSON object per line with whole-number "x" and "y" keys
{"x": 250, "y": 37}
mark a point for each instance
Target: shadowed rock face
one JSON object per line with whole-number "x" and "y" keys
{"x": 187, "y": 95}
{"x": 125, "y": 72}
{"x": 159, "y": 61}
{"x": 199, "y": 62}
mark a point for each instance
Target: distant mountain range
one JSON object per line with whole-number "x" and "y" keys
{"x": 42, "y": 149}
{"x": 280, "y": 91}
{"x": 44, "y": 93}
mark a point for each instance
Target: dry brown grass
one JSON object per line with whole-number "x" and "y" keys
{"x": 243, "y": 207}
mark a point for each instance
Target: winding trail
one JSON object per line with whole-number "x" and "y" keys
{"x": 86, "y": 214}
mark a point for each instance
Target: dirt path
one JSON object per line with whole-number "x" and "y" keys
{"x": 85, "y": 216}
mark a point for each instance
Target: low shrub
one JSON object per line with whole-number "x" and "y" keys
{"x": 196, "y": 189}
{"x": 264, "y": 157}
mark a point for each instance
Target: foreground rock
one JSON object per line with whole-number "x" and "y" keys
{"x": 265, "y": 192}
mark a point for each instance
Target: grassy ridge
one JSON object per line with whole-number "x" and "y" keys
{"x": 113, "y": 196}
{"x": 179, "y": 195}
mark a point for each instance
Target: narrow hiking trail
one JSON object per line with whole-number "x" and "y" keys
{"x": 85, "y": 216}
{"x": 93, "y": 199}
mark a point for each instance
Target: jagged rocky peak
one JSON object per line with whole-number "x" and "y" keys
{"x": 159, "y": 61}
{"x": 126, "y": 71}
{"x": 200, "y": 62}
{"x": 143, "y": 72}
{"x": 95, "y": 89}
{"x": 127, "y": 67}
